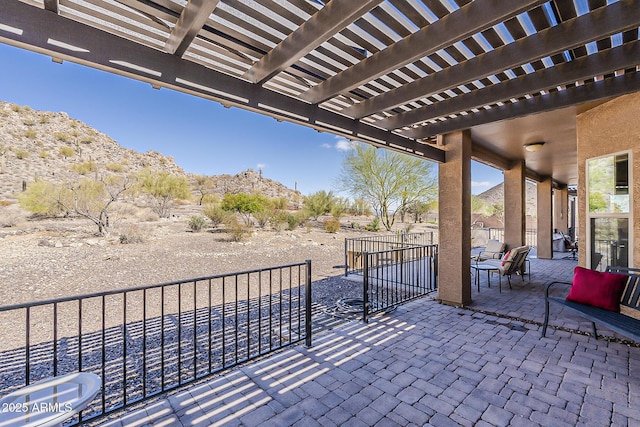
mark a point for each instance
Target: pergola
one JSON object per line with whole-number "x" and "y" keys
{"x": 399, "y": 74}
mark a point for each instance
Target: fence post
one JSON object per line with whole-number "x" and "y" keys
{"x": 307, "y": 304}
{"x": 365, "y": 281}
{"x": 346, "y": 257}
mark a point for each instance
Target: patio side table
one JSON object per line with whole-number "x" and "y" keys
{"x": 49, "y": 402}
{"x": 484, "y": 267}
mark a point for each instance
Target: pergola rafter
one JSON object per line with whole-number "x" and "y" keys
{"x": 609, "y": 61}
{"x": 470, "y": 19}
{"x": 575, "y": 32}
{"x": 191, "y": 21}
{"x": 319, "y": 28}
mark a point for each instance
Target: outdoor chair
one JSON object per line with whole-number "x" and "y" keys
{"x": 513, "y": 262}
{"x": 571, "y": 246}
{"x": 493, "y": 250}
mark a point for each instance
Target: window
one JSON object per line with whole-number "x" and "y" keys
{"x": 609, "y": 211}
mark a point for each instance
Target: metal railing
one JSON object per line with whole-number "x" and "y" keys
{"x": 395, "y": 276}
{"x": 480, "y": 236}
{"x": 355, "y": 248}
{"x": 146, "y": 340}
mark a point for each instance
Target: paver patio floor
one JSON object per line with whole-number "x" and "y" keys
{"x": 427, "y": 364}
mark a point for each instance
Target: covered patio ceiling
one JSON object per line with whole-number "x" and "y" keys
{"x": 392, "y": 73}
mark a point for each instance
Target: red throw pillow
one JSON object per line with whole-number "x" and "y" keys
{"x": 597, "y": 288}
{"x": 506, "y": 258}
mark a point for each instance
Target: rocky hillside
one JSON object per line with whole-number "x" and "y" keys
{"x": 252, "y": 182}
{"x": 53, "y": 146}
{"x": 495, "y": 195}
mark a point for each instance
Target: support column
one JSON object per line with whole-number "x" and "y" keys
{"x": 544, "y": 247}
{"x": 514, "y": 205}
{"x": 560, "y": 210}
{"x": 454, "y": 220}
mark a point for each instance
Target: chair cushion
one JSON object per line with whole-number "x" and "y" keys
{"x": 495, "y": 247}
{"x": 597, "y": 288}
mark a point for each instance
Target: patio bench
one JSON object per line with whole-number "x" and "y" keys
{"x": 626, "y": 322}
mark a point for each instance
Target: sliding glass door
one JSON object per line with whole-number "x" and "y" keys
{"x": 609, "y": 211}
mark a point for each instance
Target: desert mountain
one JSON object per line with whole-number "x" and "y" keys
{"x": 55, "y": 147}
{"x": 495, "y": 195}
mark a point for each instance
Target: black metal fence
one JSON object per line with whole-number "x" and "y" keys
{"x": 395, "y": 276}
{"x": 355, "y": 248}
{"x": 147, "y": 340}
{"x": 480, "y": 236}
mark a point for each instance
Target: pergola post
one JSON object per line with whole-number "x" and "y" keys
{"x": 454, "y": 219}
{"x": 544, "y": 246}
{"x": 514, "y": 205}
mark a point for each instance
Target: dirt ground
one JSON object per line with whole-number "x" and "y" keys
{"x": 52, "y": 258}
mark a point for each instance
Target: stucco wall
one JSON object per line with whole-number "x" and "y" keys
{"x": 606, "y": 129}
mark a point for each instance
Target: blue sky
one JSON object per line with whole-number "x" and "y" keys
{"x": 201, "y": 135}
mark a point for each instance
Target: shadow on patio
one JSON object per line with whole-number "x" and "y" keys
{"x": 427, "y": 363}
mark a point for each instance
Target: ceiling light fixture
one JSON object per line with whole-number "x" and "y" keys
{"x": 534, "y": 146}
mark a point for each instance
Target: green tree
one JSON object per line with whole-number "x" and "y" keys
{"x": 497, "y": 210}
{"x": 388, "y": 180}
{"x": 479, "y": 208}
{"x": 92, "y": 199}
{"x": 163, "y": 188}
{"x": 319, "y": 203}
{"x": 88, "y": 198}
{"x": 245, "y": 204}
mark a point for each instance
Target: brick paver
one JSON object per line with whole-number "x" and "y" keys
{"x": 431, "y": 364}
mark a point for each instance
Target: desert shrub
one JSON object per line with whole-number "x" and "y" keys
{"x": 5, "y": 203}
{"x": 279, "y": 203}
{"x": 238, "y": 230}
{"x": 21, "y": 154}
{"x": 208, "y": 199}
{"x": 115, "y": 167}
{"x": 42, "y": 197}
{"x": 10, "y": 216}
{"x": 360, "y": 207}
{"x": 43, "y": 154}
{"x": 133, "y": 234}
{"x": 61, "y": 136}
{"x": 215, "y": 213}
{"x": 30, "y": 133}
{"x": 86, "y": 140}
{"x": 28, "y": 122}
{"x": 44, "y": 120}
{"x": 15, "y": 108}
{"x": 277, "y": 220}
{"x": 332, "y": 225}
{"x": 197, "y": 223}
{"x": 262, "y": 217}
{"x": 66, "y": 152}
{"x": 339, "y": 207}
{"x": 319, "y": 203}
{"x": 374, "y": 225}
{"x": 84, "y": 167}
{"x": 292, "y": 221}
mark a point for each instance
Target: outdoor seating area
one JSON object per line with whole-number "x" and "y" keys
{"x": 427, "y": 363}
